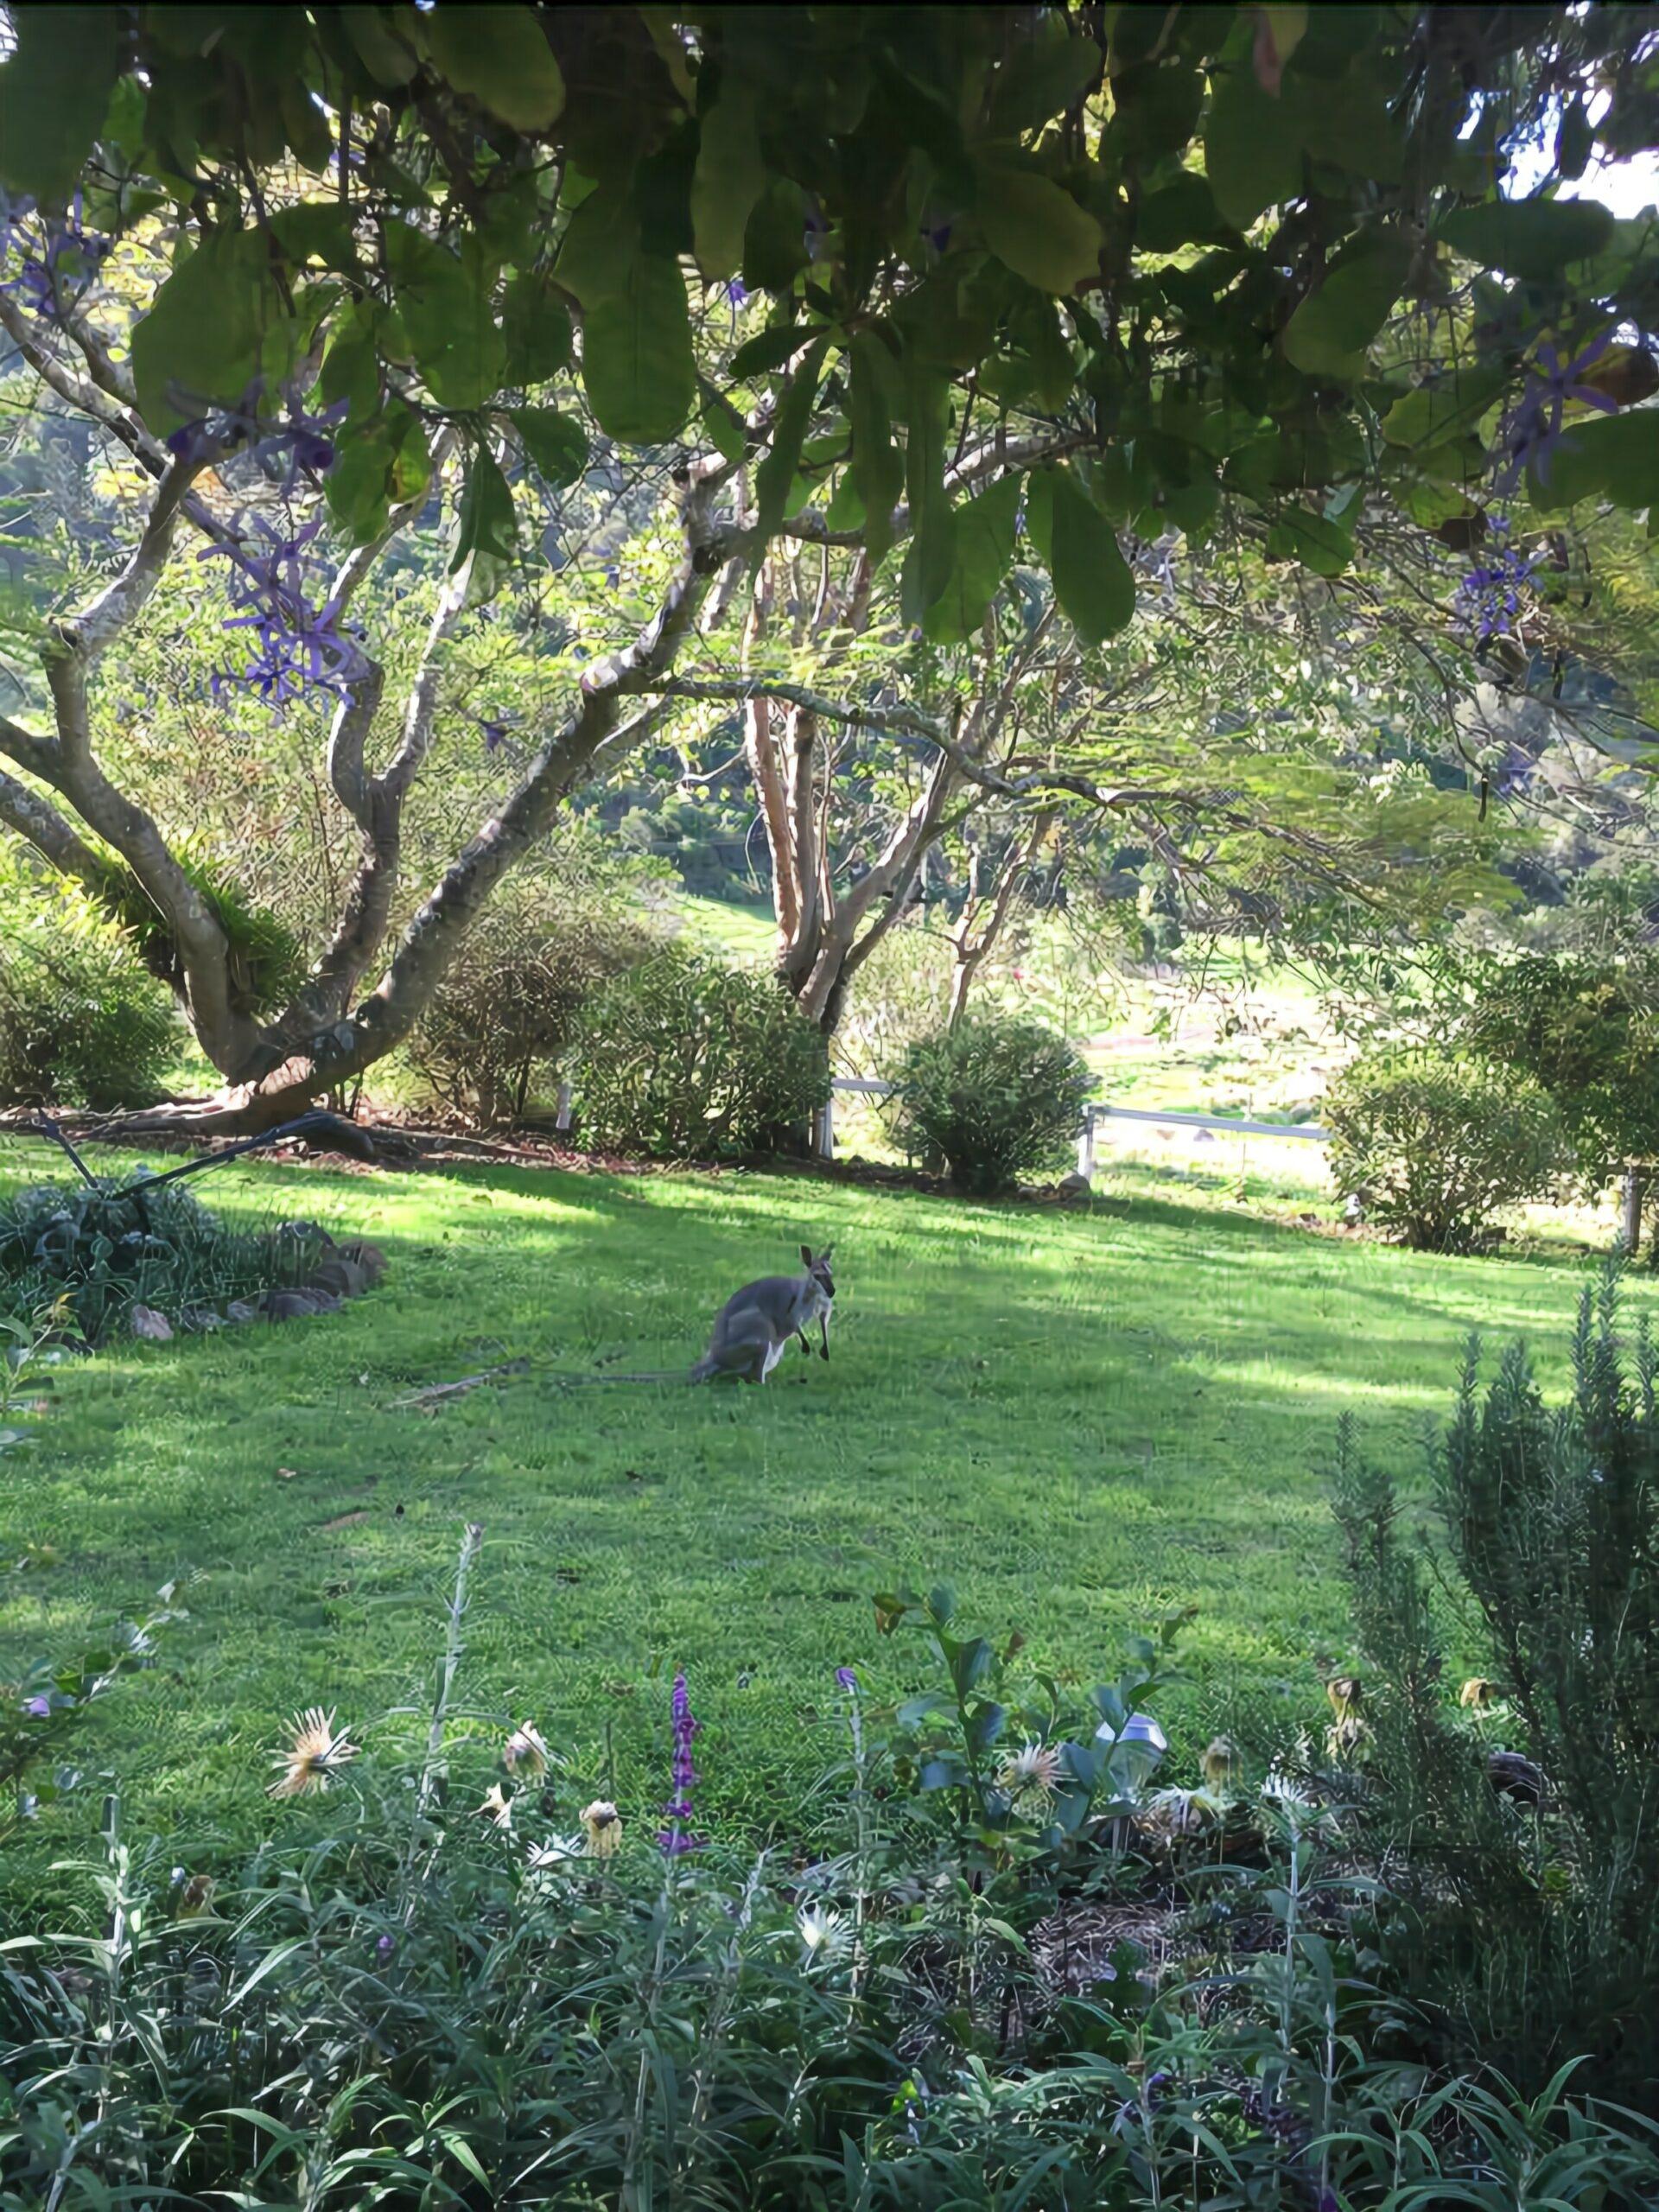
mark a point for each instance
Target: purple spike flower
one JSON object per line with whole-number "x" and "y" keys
{"x": 737, "y": 292}
{"x": 58, "y": 262}
{"x": 1488, "y": 597}
{"x": 848, "y": 1679}
{"x": 298, "y": 641}
{"x": 675, "y": 1839}
{"x": 1532, "y": 432}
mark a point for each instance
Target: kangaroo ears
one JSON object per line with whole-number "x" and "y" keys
{"x": 806, "y": 1254}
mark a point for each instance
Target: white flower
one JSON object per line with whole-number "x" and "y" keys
{"x": 526, "y": 1748}
{"x": 313, "y": 1757}
{"x": 1030, "y": 1775}
{"x": 822, "y": 1931}
{"x": 497, "y": 1807}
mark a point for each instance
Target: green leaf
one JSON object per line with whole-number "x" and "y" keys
{"x": 846, "y": 507}
{"x": 1344, "y": 121}
{"x": 722, "y": 423}
{"x": 447, "y": 312}
{"x": 984, "y": 548}
{"x": 216, "y": 322}
{"x": 730, "y": 177}
{"x": 535, "y": 327}
{"x": 389, "y": 60}
{"x": 637, "y": 361}
{"x": 1252, "y": 161}
{"x": 501, "y": 57}
{"x": 770, "y": 349}
{"x": 1182, "y": 212}
{"x": 774, "y": 238}
{"x": 487, "y": 528}
{"x": 1091, "y": 578}
{"x": 776, "y": 472}
{"x": 878, "y": 470}
{"x": 54, "y": 95}
{"x": 1298, "y": 534}
{"x": 350, "y": 367}
{"x": 556, "y": 444}
{"x": 1037, "y": 230}
{"x": 1329, "y": 333}
{"x": 1437, "y": 413}
{"x": 306, "y": 125}
{"x": 1616, "y": 456}
{"x": 1042, "y": 77}
{"x": 316, "y": 230}
{"x": 930, "y": 555}
{"x": 1534, "y": 240}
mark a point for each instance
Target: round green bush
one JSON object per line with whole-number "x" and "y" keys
{"x": 993, "y": 1099}
{"x": 1433, "y": 1143}
{"x": 684, "y": 1059}
{"x": 81, "y": 1022}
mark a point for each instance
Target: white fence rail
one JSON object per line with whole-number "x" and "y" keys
{"x": 823, "y": 1128}
{"x": 823, "y": 1133}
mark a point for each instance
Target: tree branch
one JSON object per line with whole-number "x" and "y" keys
{"x": 39, "y": 823}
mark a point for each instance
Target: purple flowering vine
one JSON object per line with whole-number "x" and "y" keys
{"x": 737, "y": 292}
{"x": 296, "y": 637}
{"x": 38, "y": 1709}
{"x": 1532, "y": 431}
{"x": 60, "y": 258}
{"x": 848, "y": 1679}
{"x": 1488, "y": 597}
{"x": 291, "y": 446}
{"x": 676, "y": 1837}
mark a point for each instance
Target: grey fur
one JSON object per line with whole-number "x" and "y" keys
{"x": 756, "y": 1322}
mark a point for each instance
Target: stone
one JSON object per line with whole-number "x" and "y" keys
{"x": 146, "y": 1322}
{"x": 240, "y": 1310}
{"x": 199, "y": 1319}
{"x": 1074, "y": 1190}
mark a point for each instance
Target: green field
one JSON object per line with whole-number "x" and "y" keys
{"x": 1082, "y": 1422}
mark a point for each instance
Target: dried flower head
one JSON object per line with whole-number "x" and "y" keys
{"x": 1347, "y": 1694}
{"x": 1222, "y": 1764}
{"x": 497, "y": 1807}
{"x": 1477, "y": 1694}
{"x": 1030, "y": 1775}
{"x": 526, "y": 1748}
{"x": 314, "y": 1759}
{"x": 823, "y": 1932}
{"x": 602, "y": 1825}
{"x": 196, "y": 1898}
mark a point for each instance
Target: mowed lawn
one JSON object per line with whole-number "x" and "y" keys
{"x": 1082, "y": 1422}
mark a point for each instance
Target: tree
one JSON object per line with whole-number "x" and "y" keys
{"x": 958, "y": 279}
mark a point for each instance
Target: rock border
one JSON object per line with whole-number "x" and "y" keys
{"x": 345, "y": 1271}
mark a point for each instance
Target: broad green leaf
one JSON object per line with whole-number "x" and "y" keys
{"x": 776, "y": 472}
{"x": 1252, "y": 161}
{"x": 770, "y": 349}
{"x": 557, "y": 444}
{"x": 500, "y": 57}
{"x": 984, "y": 534}
{"x": 1286, "y": 27}
{"x": 1329, "y": 333}
{"x": 730, "y": 177}
{"x": 1044, "y": 75}
{"x": 1346, "y": 121}
{"x": 54, "y": 95}
{"x": 1183, "y": 211}
{"x": 1091, "y": 578}
{"x": 487, "y": 528}
{"x": 1039, "y": 516}
{"x": 389, "y": 59}
{"x": 306, "y": 126}
{"x": 535, "y": 327}
{"x": 1616, "y": 456}
{"x": 932, "y": 551}
{"x": 722, "y": 422}
{"x": 1193, "y": 506}
{"x": 1534, "y": 240}
{"x": 846, "y": 507}
{"x": 637, "y": 361}
{"x": 411, "y": 457}
{"x": 447, "y": 312}
{"x": 1298, "y": 534}
{"x": 1037, "y": 230}
{"x": 350, "y": 367}
{"x": 774, "y": 238}
{"x": 210, "y": 330}
{"x": 378, "y": 464}
{"x": 1436, "y": 413}
{"x": 316, "y": 230}
{"x": 878, "y": 470}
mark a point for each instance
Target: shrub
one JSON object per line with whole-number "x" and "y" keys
{"x": 109, "y": 1245}
{"x": 81, "y": 1022}
{"x": 1531, "y": 1933}
{"x": 1434, "y": 1143}
{"x": 680, "y": 1058}
{"x": 505, "y": 1012}
{"x": 992, "y": 1099}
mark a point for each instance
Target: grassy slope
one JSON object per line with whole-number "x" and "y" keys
{"x": 1082, "y": 1422}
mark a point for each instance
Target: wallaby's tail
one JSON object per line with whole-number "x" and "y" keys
{"x": 585, "y": 1382}
{"x": 704, "y": 1369}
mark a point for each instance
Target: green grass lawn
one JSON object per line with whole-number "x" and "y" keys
{"x": 1082, "y": 1422}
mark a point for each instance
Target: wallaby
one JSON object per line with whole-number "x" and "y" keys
{"x": 753, "y": 1327}
{"x": 756, "y": 1322}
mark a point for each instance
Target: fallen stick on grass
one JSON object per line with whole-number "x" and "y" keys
{"x": 435, "y": 1393}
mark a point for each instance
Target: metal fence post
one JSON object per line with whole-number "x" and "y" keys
{"x": 562, "y": 1119}
{"x": 823, "y": 1130}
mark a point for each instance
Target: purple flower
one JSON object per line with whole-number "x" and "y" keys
{"x": 848, "y": 1679}
{"x": 1532, "y": 432}
{"x": 937, "y": 235}
{"x": 737, "y": 292}
{"x": 1488, "y": 597}
{"x": 495, "y": 735}
{"x": 287, "y": 447}
{"x": 59, "y": 266}
{"x": 385, "y": 1948}
{"x": 674, "y": 1839}
{"x": 38, "y": 1709}
{"x": 298, "y": 640}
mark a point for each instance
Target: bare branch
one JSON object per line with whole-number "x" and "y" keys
{"x": 39, "y": 822}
